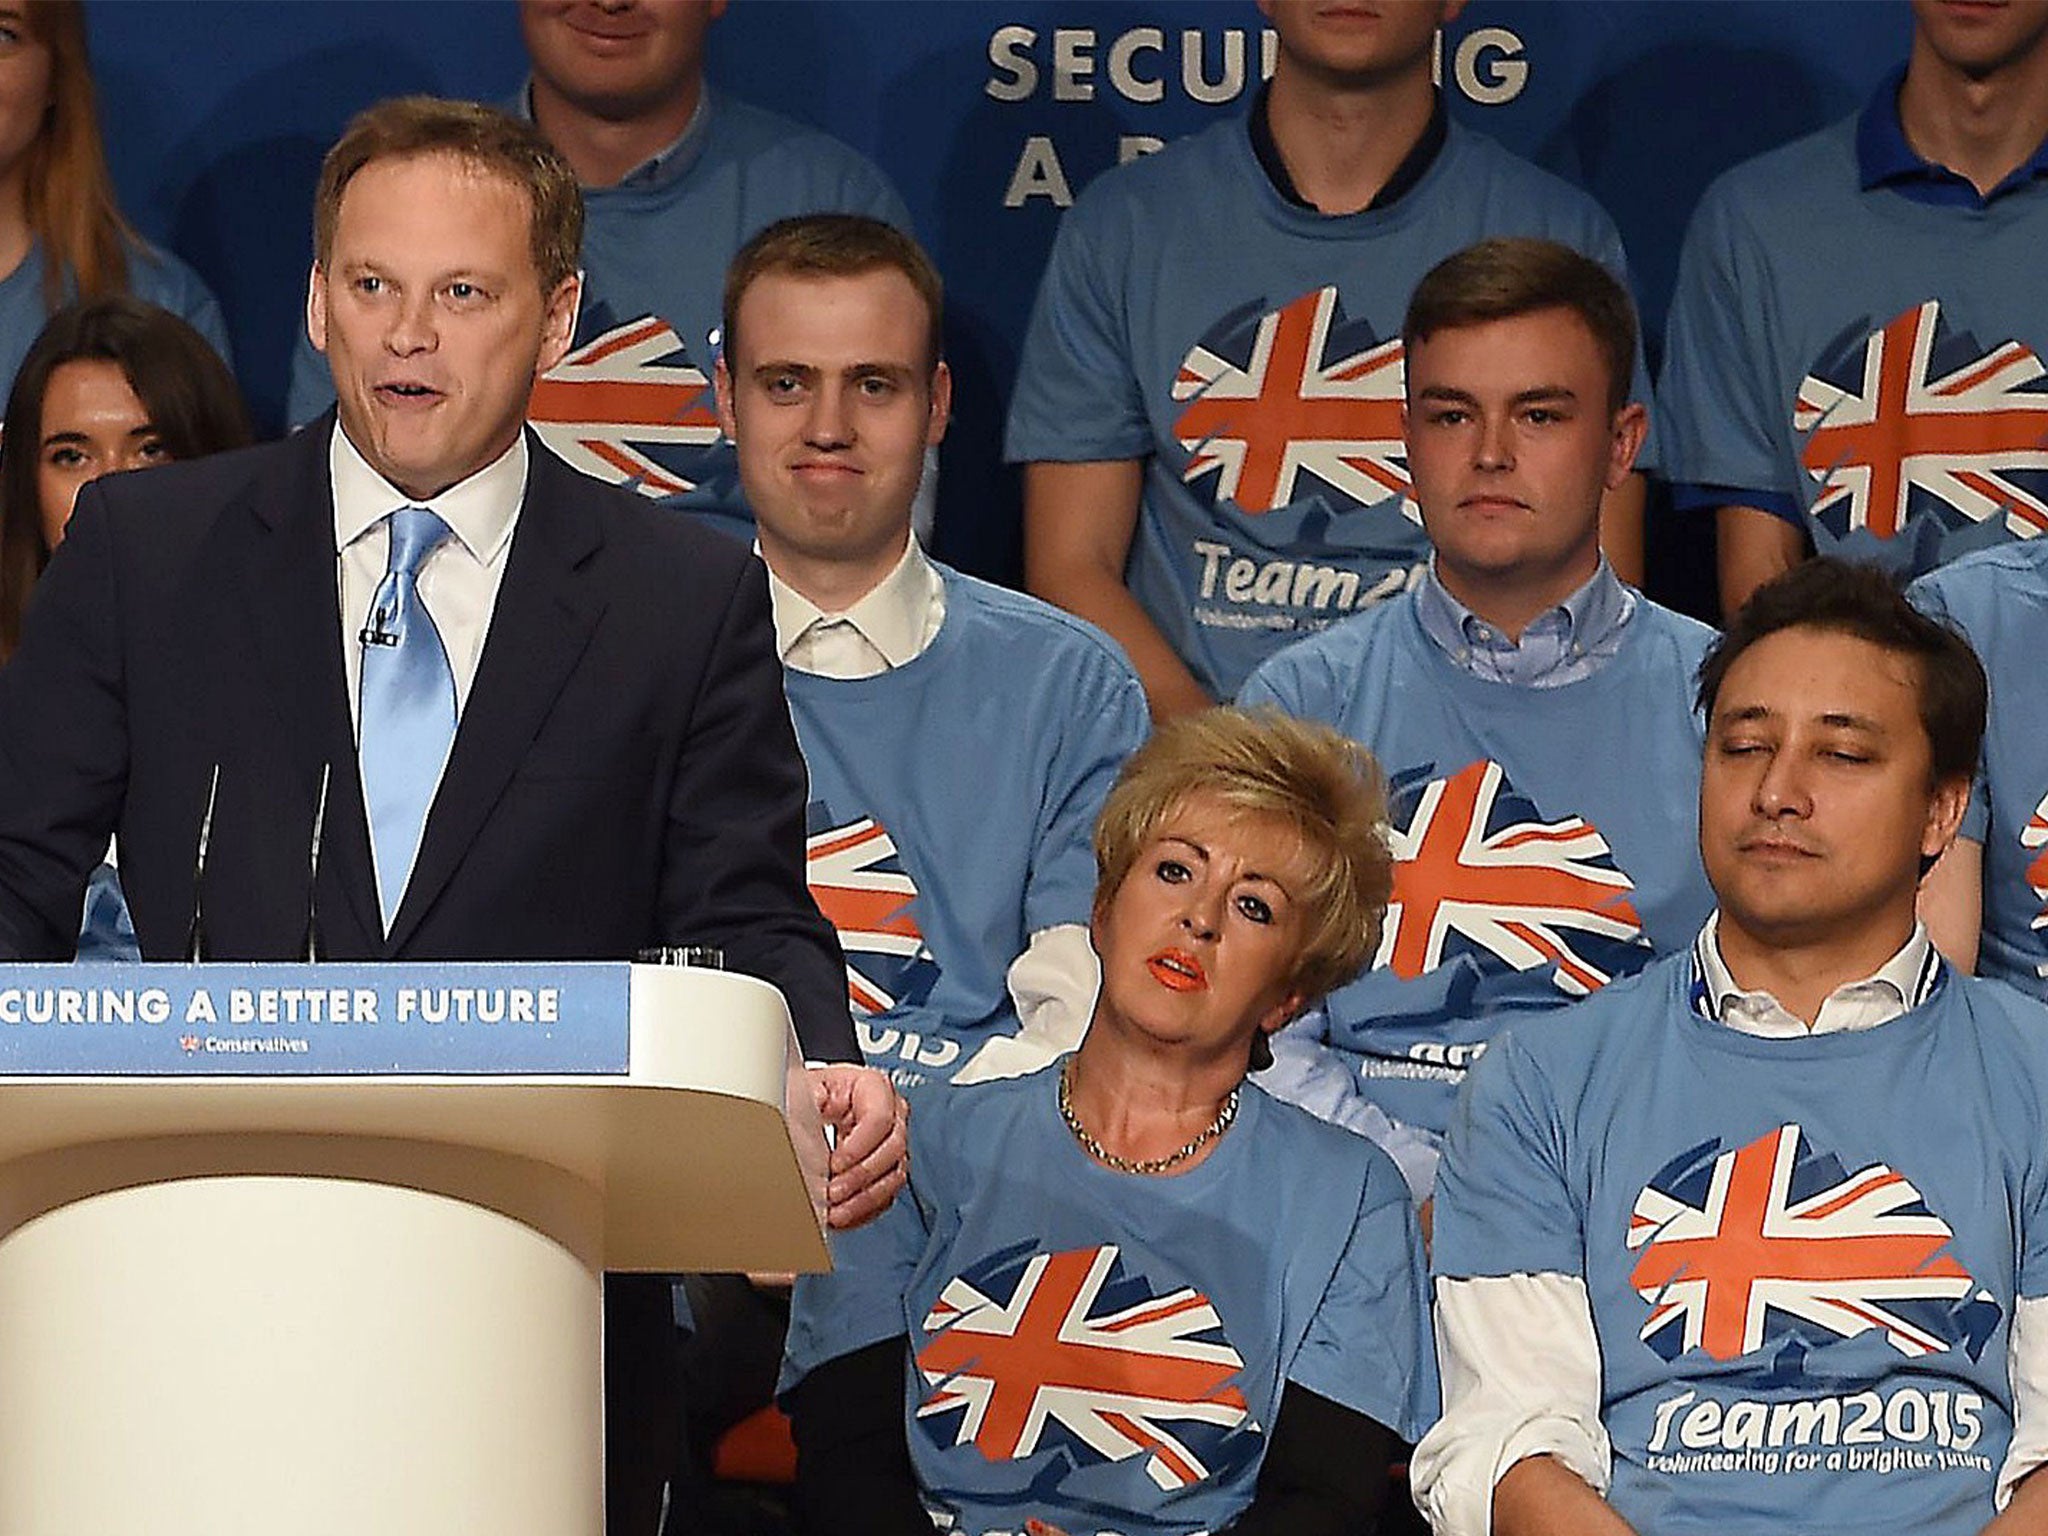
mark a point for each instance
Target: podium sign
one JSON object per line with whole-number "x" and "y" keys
{"x": 259, "y": 1020}
{"x": 319, "y": 1248}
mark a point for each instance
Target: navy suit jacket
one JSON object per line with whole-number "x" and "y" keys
{"x": 624, "y": 773}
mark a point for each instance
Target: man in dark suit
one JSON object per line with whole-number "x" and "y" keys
{"x": 549, "y": 715}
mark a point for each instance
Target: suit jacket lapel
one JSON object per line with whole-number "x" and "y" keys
{"x": 542, "y": 620}
{"x": 289, "y": 589}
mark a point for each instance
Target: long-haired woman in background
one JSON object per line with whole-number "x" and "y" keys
{"x": 62, "y": 235}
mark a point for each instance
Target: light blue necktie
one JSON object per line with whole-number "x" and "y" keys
{"x": 408, "y": 706}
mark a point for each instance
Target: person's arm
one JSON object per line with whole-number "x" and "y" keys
{"x": 2021, "y": 1495}
{"x": 871, "y": 1151}
{"x": 1952, "y": 902}
{"x": 2027, "y": 1514}
{"x": 1752, "y": 546}
{"x": 1079, "y": 520}
{"x": 1621, "y": 528}
{"x": 1543, "y": 1497}
{"x": 1521, "y": 1381}
{"x": 732, "y": 871}
{"x": 63, "y": 741}
{"x": 853, "y": 1471}
{"x": 1325, "y": 1472}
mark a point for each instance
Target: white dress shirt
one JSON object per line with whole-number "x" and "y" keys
{"x": 458, "y": 582}
{"x": 1054, "y": 982}
{"x": 1519, "y": 1356}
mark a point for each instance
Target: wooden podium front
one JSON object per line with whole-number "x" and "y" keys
{"x": 267, "y": 1275}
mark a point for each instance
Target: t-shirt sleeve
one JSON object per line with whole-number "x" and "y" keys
{"x": 1105, "y": 722}
{"x": 2033, "y": 1265}
{"x": 1723, "y": 419}
{"x": 1292, "y": 683}
{"x": 1504, "y": 1203}
{"x": 1078, "y": 397}
{"x": 1368, "y": 1346}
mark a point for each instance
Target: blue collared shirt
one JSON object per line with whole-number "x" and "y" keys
{"x": 1566, "y": 644}
{"x": 1885, "y": 159}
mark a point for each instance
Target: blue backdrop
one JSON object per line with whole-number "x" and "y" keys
{"x": 987, "y": 117}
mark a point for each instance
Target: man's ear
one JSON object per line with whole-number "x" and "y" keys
{"x": 558, "y": 322}
{"x": 721, "y": 389}
{"x": 1945, "y": 809}
{"x": 1631, "y": 426}
{"x": 942, "y": 405}
{"x": 316, "y": 308}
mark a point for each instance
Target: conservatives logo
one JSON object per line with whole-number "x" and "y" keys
{"x": 1776, "y": 1243}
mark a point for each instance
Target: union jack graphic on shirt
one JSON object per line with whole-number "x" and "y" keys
{"x": 1917, "y": 419}
{"x": 1035, "y": 1351}
{"x": 1775, "y": 1242}
{"x": 1292, "y": 403}
{"x": 629, "y": 406}
{"x": 860, "y": 884}
{"x": 1477, "y": 872}
{"x": 2034, "y": 835}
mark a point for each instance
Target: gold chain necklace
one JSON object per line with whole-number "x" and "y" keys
{"x": 1102, "y": 1154}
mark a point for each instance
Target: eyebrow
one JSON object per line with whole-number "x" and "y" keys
{"x": 902, "y": 371}
{"x": 1450, "y": 394}
{"x": 1250, "y": 874}
{"x": 1834, "y": 719}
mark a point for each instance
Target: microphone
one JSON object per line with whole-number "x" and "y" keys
{"x": 379, "y": 631}
{"x": 313, "y": 945}
{"x": 195, "y": 935}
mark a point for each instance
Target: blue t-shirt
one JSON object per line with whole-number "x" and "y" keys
{"x": 1862, "y": 361}
{"x": 155, "y": 276}
{"x": 1106, "y": 1351}
{"x": 1250, "y": 351}
{"x": 1999, "y": 599}
{"x": 1802, "y": 1255}
{"x": 953, "y": 800}
{"x": 632, "y": 402}
{"x": 1545, "y": 839}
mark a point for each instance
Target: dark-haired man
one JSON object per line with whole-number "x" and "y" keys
{"x": 1520, "y": 697}
{"x": 1761, "y": 1241}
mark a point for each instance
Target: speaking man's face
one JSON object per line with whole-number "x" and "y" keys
{"x": 1818, "y": 801}
{"x": 828, "y": 390}
{"x": 431, "y": 314}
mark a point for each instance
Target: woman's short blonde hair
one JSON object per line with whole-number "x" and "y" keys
{"x": 1261, "y": 763}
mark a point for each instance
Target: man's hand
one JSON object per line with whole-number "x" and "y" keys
{"x": 871, "y": 1156}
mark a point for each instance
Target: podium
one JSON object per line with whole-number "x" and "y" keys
{"x": 318, "y": 1249}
